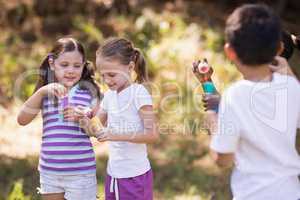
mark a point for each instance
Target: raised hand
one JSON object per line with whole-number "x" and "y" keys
{"x": 280, "y": 65}
{"x": 54, "y": 89}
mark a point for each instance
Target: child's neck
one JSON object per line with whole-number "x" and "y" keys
{"x": 260, "y": 73}
{"x": 70, "y": 87}
{"x": 123, "y": 87}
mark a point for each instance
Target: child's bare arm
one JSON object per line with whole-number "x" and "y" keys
{"x": 223, "y": 160}
{"x": 32, "y": 106}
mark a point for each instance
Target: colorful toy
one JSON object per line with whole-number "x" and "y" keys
{"x": 205, "y": 72}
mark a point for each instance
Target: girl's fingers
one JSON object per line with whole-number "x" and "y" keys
{"x": 79, "y": 111}
{"x": 68, "y": 111}
{"x": 69, "y": 118}
{"x": 84, "y": 122}
{"x": 57, "y": 94}
{"x": 102, "y": 139}
{"x": 62, "y": 91}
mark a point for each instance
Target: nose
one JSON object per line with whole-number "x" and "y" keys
{"x": 69, "y": 71}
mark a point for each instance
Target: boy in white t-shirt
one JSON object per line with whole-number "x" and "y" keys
{"x": 258, "y": 116}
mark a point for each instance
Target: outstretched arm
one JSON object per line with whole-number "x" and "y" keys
{"x": 30, "y": 108}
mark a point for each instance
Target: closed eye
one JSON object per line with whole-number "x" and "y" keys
{"x": 77, "y": 66}
{"x": 64, "y": 64}
{"x": 111, "y": 74}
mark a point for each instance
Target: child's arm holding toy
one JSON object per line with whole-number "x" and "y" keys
{"x": 203, "y": 72}
{"x": 211, "y": 100}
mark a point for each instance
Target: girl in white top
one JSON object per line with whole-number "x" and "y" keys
{"x": 127, "y": 111}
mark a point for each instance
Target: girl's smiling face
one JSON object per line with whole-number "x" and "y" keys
{"x": 67, "y": 67}
{"x": 114, "y": 74}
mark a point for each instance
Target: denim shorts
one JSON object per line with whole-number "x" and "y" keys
{"x": 74, "y": 187}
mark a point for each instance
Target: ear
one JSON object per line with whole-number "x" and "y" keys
{"x": 51, "y": 63}
{"x": 280, "y": 48}
{"x": 131, "y": 65}
{"x": 230, "y": 53}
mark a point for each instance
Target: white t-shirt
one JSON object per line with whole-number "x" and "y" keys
{"x": 257, "y": 122}
{"x": 126, "y": 159}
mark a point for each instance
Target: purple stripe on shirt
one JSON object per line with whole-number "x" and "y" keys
{"x": 46, "y": 114}
{"x": 62, "y": 135}
{"x": 82, "y": 92}
{"x": 68, "y": 160}
{"x": 68, "y": 168}
{"x": 82, "y": 99}
{"x": 49, "y": 106}
{"x": 69, "y": 144}
{"x": 62, "y": 152}
{"x": 50, "y": 121}
{"x": 62, "y": 127}
{"x": 65, "y": 101}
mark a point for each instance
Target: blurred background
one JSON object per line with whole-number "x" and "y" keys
{"x": 171, "y": 34}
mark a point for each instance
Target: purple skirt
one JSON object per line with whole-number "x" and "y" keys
{"x": 137, "y": 188}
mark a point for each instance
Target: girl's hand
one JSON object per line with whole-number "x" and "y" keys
{"x": 90, "y": 129}
{"x": 54, "y": 89}
{"x": 70, "y": 114}
{"x": 75, "y": 113}
{"x": 81, "y": 111}
{"x": 281, "y": 66}
{"x": 106, "y": 135}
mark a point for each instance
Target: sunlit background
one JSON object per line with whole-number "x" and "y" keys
{"x": 171, "y": 34}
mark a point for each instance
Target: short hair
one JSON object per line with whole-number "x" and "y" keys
{"x": 254, "y": 32}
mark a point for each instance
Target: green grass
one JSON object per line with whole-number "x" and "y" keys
{"x": 177, "y": 177}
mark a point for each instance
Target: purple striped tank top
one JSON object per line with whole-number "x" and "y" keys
{"x": 66, "y": 149}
